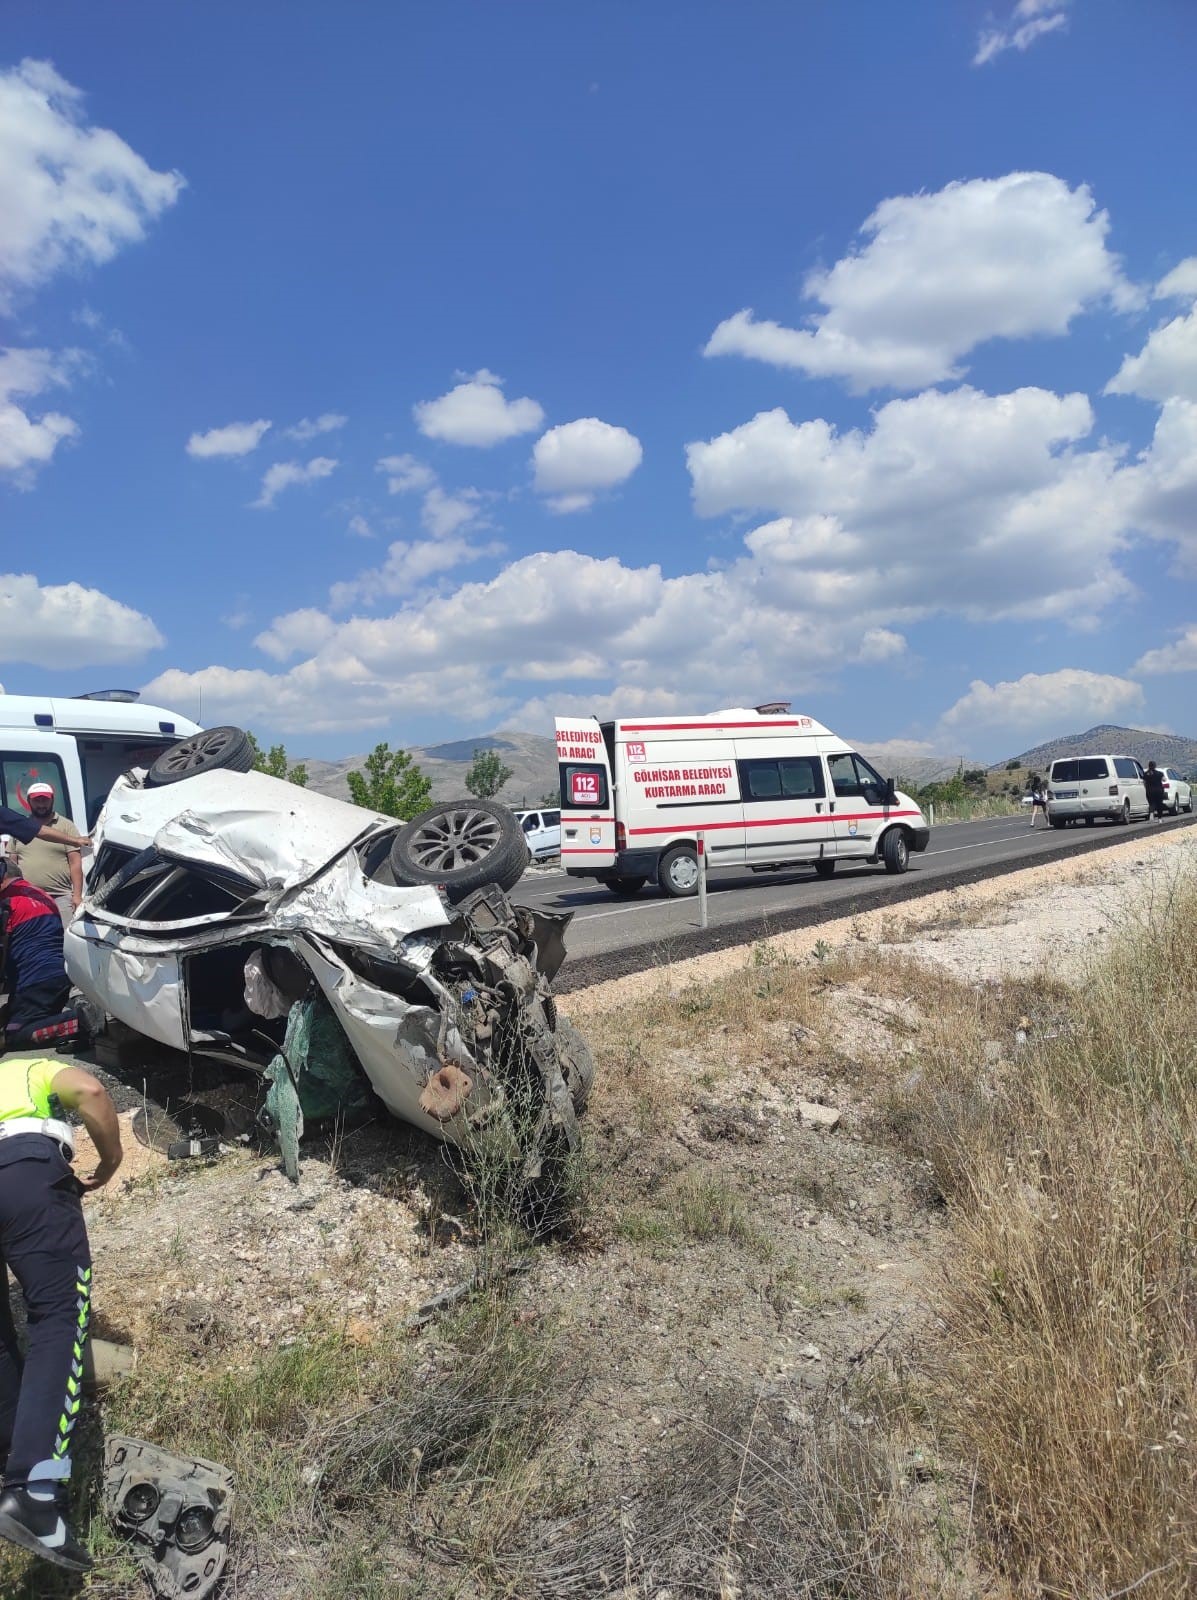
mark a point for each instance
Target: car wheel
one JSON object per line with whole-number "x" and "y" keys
{"x": 1088, "y": 822}
{"x": 213, "y": 750}
{"x": 824, "y": 869}
{"x": 678, "y": 872}
{"x": 1124, "y": 815}
{"x": 1056, "y": 822}
{"x": 1189, "y": 807}
{"x": 460, "y": 846}
{"x": 895, "y": 851}
{"x": 626, "y": 888}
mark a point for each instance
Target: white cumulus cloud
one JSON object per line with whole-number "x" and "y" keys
{"x": 69, "y": 625}
{"x": 299, "y": 632}
{"x": 405, "y": 474}
{"x": 1180, "y": 283}
{"x": 286, "y": 474}
{"x": 476, "y": 412}
{"x": 1165, "y": 367}
{"x": 409, "y": 564}
{"x": 312, "y": 427}
{"x": 234, "y": 439}
{"x": 971, "y": 503}
{"x": 1043, "y": 700}
{"x": 27, "y": 441}
{"x": 578, "y": 460}
{"x": 1179, "y": 656}
{"x": 71, "y": 194}
{"x": 937, "y": 275}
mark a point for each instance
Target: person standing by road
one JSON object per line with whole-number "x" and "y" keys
{"x": 56, "y": 869}
{"x": 43, "y": 1238}
{"x": 1153, "y": 782}
{"x": 1038, "y": 799}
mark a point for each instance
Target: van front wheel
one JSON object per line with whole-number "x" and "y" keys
{"x": 678, "y": 872}
{"x": 895, "y": 851}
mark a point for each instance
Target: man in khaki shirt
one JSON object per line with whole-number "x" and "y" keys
{"x": 56, "y": 869}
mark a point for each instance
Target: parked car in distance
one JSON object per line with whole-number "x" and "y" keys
{"x": 1178, "y": 792}
{"x": 1082, "y": 788}
{"x": 542, "y": 830}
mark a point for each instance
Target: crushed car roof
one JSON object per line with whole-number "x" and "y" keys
{"x": 273, "y": 833}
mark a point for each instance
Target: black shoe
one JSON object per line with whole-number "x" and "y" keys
{"x": 41, "y": 1526}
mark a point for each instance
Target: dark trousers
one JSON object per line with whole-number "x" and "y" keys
{"x": 44, "y": 1240}
{"x": 37, "y": 1000}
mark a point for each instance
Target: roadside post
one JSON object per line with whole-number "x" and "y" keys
{"x": 702, "y": 879}
{"x": 931, "y": 812}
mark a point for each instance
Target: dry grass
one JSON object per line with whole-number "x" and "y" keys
{"x": 1068, "y": 1367}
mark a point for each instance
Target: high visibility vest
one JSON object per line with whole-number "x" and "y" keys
{"x": 25, "y": 1086}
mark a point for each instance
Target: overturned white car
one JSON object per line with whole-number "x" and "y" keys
{"x": 234, "y": 915}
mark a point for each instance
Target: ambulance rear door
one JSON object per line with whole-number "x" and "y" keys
{"x": 587, "y": 796}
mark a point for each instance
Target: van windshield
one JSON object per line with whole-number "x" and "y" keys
{"x": 1076, "y": 771}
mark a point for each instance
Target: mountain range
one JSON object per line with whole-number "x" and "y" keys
{"x": 1165, "y": 749}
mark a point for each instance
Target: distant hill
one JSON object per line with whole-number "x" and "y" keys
{"x": 532, "y": 758}
{"x": 1165, "y": 749}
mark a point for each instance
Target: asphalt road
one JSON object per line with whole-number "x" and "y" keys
{"x": 609, "y": 936}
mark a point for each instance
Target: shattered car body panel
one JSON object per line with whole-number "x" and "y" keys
{"x": 447, "y": 1009}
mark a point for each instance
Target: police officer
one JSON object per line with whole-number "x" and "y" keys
{"x": 43, "y": 1239}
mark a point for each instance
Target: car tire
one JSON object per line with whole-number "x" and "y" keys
{"x": 212, "y": 750}
{"x": 577, "y": 1063}
{"x": 678, "y": 872}
{"x": 1056, "y": 822}
{"x": 460, "y": 846}
{"x": 1124, "y": 816}
{"x": 824, "y": 869}
{"x": 625, "y": 888}
{"x": 1088, "y": 822}
{"x": 895, "y": 850}
{"x": 1189, "y": 807}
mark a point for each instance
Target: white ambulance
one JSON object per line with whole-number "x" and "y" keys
{"x": 766, "y": 789}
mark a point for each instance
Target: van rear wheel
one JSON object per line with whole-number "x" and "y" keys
{"x": 824, "y": 869}
{"x": 678, "y": 872}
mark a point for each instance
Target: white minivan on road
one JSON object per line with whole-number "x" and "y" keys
{"x": 1082, "y": 788}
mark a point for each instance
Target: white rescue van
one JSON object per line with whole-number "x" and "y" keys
{"x": 766, "y": 789}
{"x": 80, "y": 745}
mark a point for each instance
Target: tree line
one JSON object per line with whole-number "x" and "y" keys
{"x": 390, "y": 782}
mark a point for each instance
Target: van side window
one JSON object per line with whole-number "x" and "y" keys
{"x": 851, "y": 775}
{"x": 790, "y": 778}
{"x": 1124, "y": 767}
{"x": 1095, "y": 767}
{"x": 18, "y": 771}
{"x": 583, "y": 786}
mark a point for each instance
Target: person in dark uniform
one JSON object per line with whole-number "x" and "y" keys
{"x": 43, "y": 1238}
{"x": 1153, "y": 782}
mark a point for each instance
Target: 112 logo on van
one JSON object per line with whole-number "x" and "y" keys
{"x": 584, "y": 788}
{"x": 636, "y": 752}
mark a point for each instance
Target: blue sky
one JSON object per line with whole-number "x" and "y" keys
{"x": 407, "y": 371}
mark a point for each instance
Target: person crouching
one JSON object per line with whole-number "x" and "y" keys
{"x": 34, "y": 971}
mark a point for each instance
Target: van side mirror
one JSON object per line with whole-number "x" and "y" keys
{"x": 891, "y": 792}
